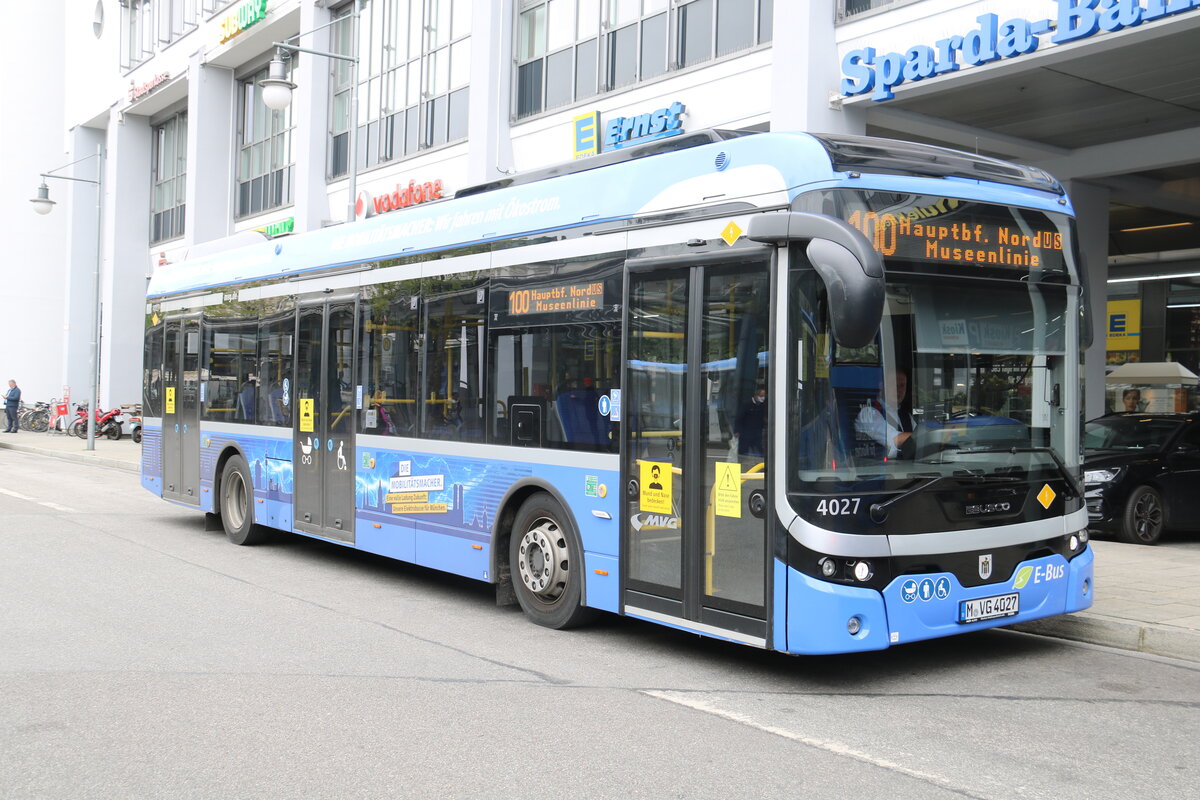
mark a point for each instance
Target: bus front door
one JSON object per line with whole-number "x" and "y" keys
{"x": 696, "y": 382}
{"x": 181, "y": 410}
{"x": 323, "y": 449}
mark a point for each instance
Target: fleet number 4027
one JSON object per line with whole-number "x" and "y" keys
{"x": 838, "y": 506}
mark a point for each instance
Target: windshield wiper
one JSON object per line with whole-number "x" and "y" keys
{"x": 1066, "y": 473}
{"x": 879, "y": 510}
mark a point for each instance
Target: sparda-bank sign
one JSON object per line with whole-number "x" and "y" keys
{"x": 864, "y": 70}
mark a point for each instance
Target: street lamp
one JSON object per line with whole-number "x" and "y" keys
{"x": 277, "y": 91}
{"x": 42, "y": 204}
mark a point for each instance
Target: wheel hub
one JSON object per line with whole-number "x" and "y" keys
{"x": 542, "y": 559}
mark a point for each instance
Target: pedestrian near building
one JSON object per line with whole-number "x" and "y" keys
{"x": 12, "y": 402}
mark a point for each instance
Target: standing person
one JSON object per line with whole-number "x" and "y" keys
{"x": 752, "y": 425}
{"x": 889, "y": 425}
{"x": 12, "y": 401}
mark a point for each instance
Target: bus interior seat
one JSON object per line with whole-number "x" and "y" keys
{"x": 579, "y": 412}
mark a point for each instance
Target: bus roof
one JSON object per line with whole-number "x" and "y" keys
{"x": 710, "y": 168}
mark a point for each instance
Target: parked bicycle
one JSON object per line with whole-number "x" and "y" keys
{"x": 35, "y": 418}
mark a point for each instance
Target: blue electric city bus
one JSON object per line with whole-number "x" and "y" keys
{"x": 811, "y": 393}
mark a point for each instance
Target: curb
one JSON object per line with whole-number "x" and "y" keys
{"x": 1159, "y": 640}
{"x": 80, "y": 458}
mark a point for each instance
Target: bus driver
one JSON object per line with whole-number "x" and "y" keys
{"x": 889, "y": 425}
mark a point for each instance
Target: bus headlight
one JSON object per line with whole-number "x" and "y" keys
{"x": 854, "y": 625}
{"x": 828, "y": 567}
{"x": 1073, "y": 543}
{"x": 863, "y": 571}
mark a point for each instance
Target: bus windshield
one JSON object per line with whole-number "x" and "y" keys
{"x": 965, "y": 379}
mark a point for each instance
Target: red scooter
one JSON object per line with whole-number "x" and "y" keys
{"x": 108, "y": 423}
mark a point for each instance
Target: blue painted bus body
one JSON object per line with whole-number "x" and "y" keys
{"x": 451, "y": 527}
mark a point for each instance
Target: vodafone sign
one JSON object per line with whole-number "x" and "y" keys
{"x": 368, "y": 205}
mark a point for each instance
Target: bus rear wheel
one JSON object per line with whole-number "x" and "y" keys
{"x": 237, "y": 504}
{"x": 546, "y": 560}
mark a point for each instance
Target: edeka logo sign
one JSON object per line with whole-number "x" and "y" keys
{"x": 368, "y": 205}
{"x": 247, "y": 14}
{"x": 864, "y": 70}
{"x": 587, "y": 134}
{"x": 625, "y": 131}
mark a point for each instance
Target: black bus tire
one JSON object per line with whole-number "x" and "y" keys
{"x": 546, "y": 560}
{"x": 237, "y": 504}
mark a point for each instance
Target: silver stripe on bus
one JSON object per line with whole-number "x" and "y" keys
{"x": 246, "y": 429}
{"x": 695, "y": 627}
{"x": 495, "y": 452}
{"x": 921, "y": 544}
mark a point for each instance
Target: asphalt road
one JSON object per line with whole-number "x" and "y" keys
{"x": 141, "y": 656}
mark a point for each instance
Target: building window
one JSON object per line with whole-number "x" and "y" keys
{"x": 175, "y": 18}
{"x": 568, "y": 50}
{"x": 848, "y": 9}
{"x": 146, "y": 24}
{"x": 264, "y": 174}
{"x": 137, "y": 32}
{"x": 413, "y": 76}
{"x": 168, "y": 203}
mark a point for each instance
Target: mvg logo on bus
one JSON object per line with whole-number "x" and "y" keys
{"x": 654, "y": 522}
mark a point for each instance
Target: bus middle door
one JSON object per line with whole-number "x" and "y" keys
{"x": 181, "y": 410}
{"x": 323, "y": 449}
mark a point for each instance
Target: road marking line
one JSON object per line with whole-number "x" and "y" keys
{"x": 836, "y": 748}
{"x": 46, "y": 503}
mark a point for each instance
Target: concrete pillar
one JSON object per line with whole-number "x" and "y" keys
{"x": 1091, "y": 212}
{"x": 488, "y": 128}
{"x": 210, "y": 152}
{"x": 805, "y": 72}
{"x": 310, "y": 125}
{"x": 83, "y": 217}
{"x": 1153, "y": 339}
{"x": 127, "y": 263}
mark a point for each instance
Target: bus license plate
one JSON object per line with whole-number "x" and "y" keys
{"x": 1001, "y": 605}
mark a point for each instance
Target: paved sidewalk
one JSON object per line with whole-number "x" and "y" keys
{"x": 1147, "y": 598}
{"x": 121, "y": 454}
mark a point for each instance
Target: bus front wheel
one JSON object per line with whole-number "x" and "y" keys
{"x": 546, "y": 560}
{"x": 237, "y": 504}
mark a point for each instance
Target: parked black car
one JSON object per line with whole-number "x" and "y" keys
{"x": 1142, "y": 474}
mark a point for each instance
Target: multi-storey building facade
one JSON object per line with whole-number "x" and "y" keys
{"x": 166, "y": 97}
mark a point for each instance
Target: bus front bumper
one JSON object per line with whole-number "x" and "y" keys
{"x": 833, "y": 618}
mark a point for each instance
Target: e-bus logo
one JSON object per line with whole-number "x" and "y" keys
{"x": 367, "y": 205}
{"x": 625, "y": 131}
{"x": 1042, "y": 573}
